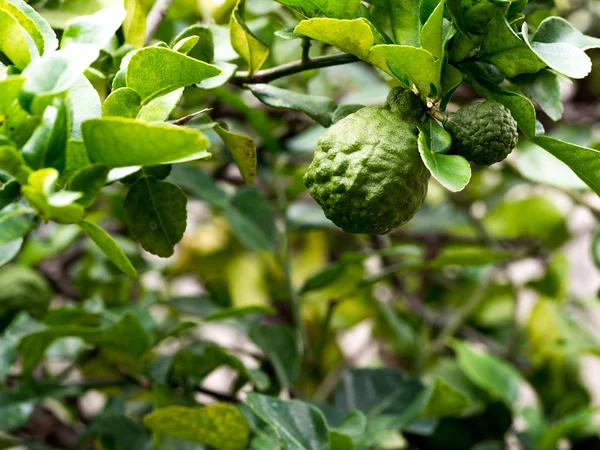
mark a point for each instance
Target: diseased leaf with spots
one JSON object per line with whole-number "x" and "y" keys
{"x": 243, "y": 150}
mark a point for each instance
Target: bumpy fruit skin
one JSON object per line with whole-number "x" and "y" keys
{"x": 367, "y": 173}
{"x": 485, "y": 133}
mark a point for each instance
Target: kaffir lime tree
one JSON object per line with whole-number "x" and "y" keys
{"x": 186, "y": 129}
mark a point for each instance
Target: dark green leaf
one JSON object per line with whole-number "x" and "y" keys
{"x": 89, "y": 181}
{"x": 155, "y": 213}
{"x": 544, "y": 89}
{"x": 318, "y": 108}
{"x": 279, "y": 344}
{"x": 15, "y": 221}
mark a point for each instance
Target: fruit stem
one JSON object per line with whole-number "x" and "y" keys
{"x": 436, "y": 114}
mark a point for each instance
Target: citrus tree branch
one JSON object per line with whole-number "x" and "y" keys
{"x": 267, "y": 75}
{"x": 155, "y": 17}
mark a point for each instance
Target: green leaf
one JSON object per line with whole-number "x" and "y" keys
{"x": 520, "y": 107}
{"x": 440, "y": 139}
{"x": 35, "y": 25}
{"x": 203, "y": 48}
{"x": 221, "y": 426}
{"x": 431, "y": 33}
{"x": 557, "y": 29}
{"x": 155, "y": 213}
{"x": 540, "y": 166}
{"x": 418, "y": 64}
{"x": 503, "y": 48}
{"x": 443, "y": 400}
{"x": 585, "y": 162}
{"x": 9, "y": 88}
{"x": 350, "y": 36}
{"x": 14, "y": 411}
{"x": 57, "y": 206}
{"x": 89, "y": 181}
{"x": 299, "y": 425}
{"x": 450, "y": 80}
{"x": 126, "y": 338}
{"x": 239, "y": 311}
{"x": 159, "y": 109}
{"x": 122, "y": 102}
{"x": 53, "y": 75}
{"x": 248, "y": 46}
{"x": 9, "y": 250}
{"x": 15, "y": 43}
{"x": 110, "y": 248}
{"x": 83, "y": 103}
{"x": 320, "y": 109}
{"x": 119, "y": 142}
{"x": 15, "y": 222}
{"x": 543, "y": 88}
{"x": 227, "y": 72}
{"x": 560, "y": 56}
{"x": 156, "y": 71}
{"x": 97, "y": 29}
{"x": 488, "y": 372}
{"x": 405, "y": 20}
{"x": 134, "y": 26}
{"x": 12, "y": 163}
{"x": 46, "y": 147}
{"x": 339, "y": 9}
{"x": 452, "y": 171}
{"x": 252, "y": 220}
{"x": 243, "y": 150}
{"x": 279, "y": 344}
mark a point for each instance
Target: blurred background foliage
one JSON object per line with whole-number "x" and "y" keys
{"x": 510, "y": 265}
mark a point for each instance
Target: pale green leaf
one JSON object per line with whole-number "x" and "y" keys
{"x": 243, "y": 150}
{"x": 557, "y": 29}
{"x": 155, "y": 213}
{"x": 248, "y": 46}
{"x": 156, "y": 71}
{"x": 53, "y": 75}
{"x": 110, "y": 248}
{"x": 134, "y": 26}
{"x": 119, "y": 142}
{"x": 452, "y": 171}
{"x": 159, "y": 109}
{"x": 83, "y": 103}
{"x": 97, "y": 29}
{"x": 9, "y": 250}
{"x": 15, "y": 221}
{"x": 227, "y": 71}
{"x": 585, "y": 162}
{"x": 221, "y": 426}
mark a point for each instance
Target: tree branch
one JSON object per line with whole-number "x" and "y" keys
{"x": 267, "y": 75}
{"x": 156, "y": 16}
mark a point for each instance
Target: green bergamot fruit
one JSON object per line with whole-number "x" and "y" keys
{"x": 484, "y": 133}
{"x": 367, "y": 173}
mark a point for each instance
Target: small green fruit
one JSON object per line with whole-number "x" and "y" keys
{"x": 367, "y": 173}
{"x": 485, "y": 133}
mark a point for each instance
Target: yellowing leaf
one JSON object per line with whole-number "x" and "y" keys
{"x": 120, "y": 142}
{"x": 40, "y": 31}
{"x": 156, "y": 71}
{"x": 248, "y": 46}
{"x": 220, "y": 426}
{"x": 14, "y": 41}
{"x": 243, "y": 150}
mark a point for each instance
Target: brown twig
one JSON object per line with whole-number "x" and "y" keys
{"x": 156, "y": 16}
{"x": 268, "y": 75}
